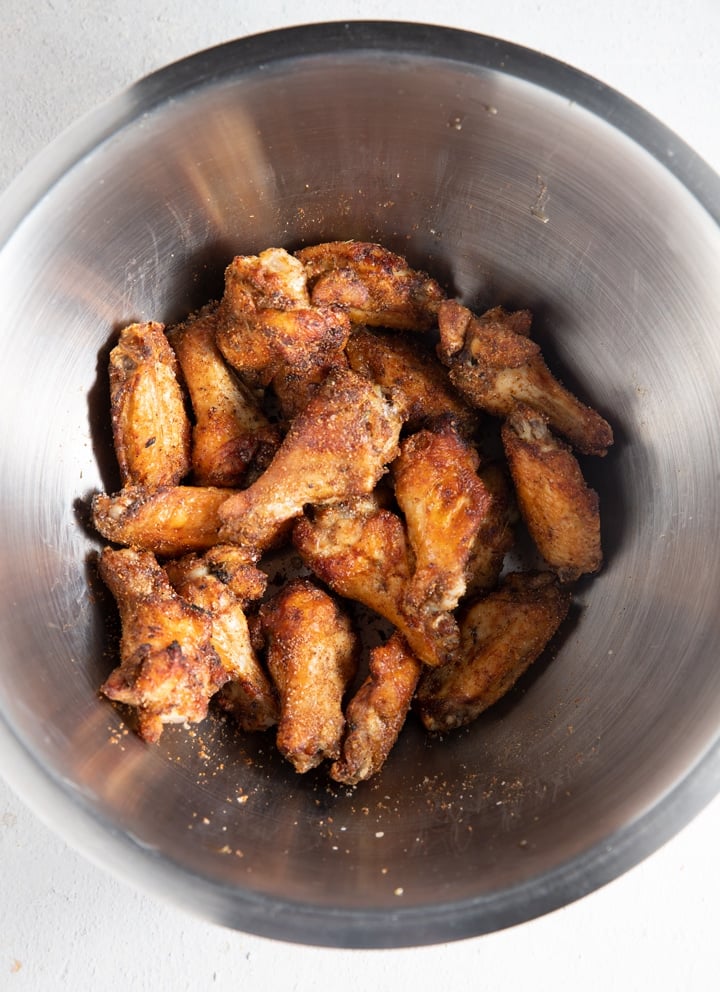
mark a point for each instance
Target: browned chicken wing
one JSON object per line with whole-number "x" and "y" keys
{"x": 151, "y": 431}
{"x": 230, "y": 427}
{"x": 170, "y": 520}
{"x": 168, "y": 667}
{"x": 375, "y": 286}
{"x": 496, "y": 367}
{"x": 496, "y": 534}
{"x": 376, "y": 713}
{"x": 360, "y": 550}
{"x": 560, "y": 511}
{"x": 248, "y": 694}
{"x": 502, "y": 635}
{"x": 444, "y": 504}
{"x": 404, "y": 365}
{"x": 267, "y": 321}
{"x": 312, "y": 655}
{"x": 338, "y": 446}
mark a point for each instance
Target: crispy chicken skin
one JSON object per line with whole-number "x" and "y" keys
{"x": 444, "y": 504}
{"x": 266, "y": 319}
{"x": 496, "y": 367}
{"x": 375, "y": 286}
{"x": 496, "y": 533}
{"x": 338, "y": 446}
{"x": 502, "y": 635}
{"x": 229, "y": 425}
{"x": 560, "y": 511}
{"x": 169, "y": 520}
{"x": 402, "y": 364}
{"x": 151, "y": 431}
{"x": 294, "y": 385}
{"x": 248, "y": 694}
{"x": 168, "y": 667}
{"x": 376, "y": 713}
{"x": 360, "y": 550}
{"x": 312, "y": 656}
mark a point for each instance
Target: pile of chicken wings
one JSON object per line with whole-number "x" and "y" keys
{"x": 336, "y": 403}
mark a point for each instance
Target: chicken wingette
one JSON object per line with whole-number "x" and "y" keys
{"x": 230, "y": 428}
{"x": 373, "y": 285}
{"x": 151, "y": 431}
{"x": 560, "y": 510}
{"x": 444, "y": 503}
{"x": 169, "y": 520}
{"x": 495, "y": 366}
{"x": 376, "y": 713}
{"x": 501, "y": 636}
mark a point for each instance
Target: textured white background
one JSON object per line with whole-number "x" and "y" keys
{"x": 64, "y": 924}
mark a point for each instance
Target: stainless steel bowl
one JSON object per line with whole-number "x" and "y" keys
{"x": 515, "y": 180}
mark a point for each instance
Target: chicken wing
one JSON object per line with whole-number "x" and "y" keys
{"x": 151, "y": 430}
{"x": 560, "y": 511}
{"x": 338, "y": 446}
{"x": 403, "y": 364}
{"x": 170, "y": 520}
{"x": 360, "y": 550}
{"x": 444, "y": 504}
{"x": 495, "y": 368}
{"x": 375, "y": 286}
{"x": 502, "y": 635}
{"x": 267, "y": 321}
{"x": 168, "y": 667}
{"x": 247, "y": 693}
{"x": 312, "y": 656}
{"x": 230, "y": 427}
{"x": 496, "y": 534}
{"x": 376, "y": 713}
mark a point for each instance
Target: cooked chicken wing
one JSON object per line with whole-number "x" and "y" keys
{"x": 376, "y": 713}
{"x": 168, "y": 667}
{"x": 560, "y": 511}
{"x": 502, "y": 635}
{"x": 151, "y": 430}
{"x": 267, "y": 321}
{"x": 294, "y": 385}
{"x": 230, "y": 427}
{"x": 248, "y": 694}
{"x": 312, "y": 655}
{"x": 232, "y": 566}
{"x": 444, "y": 504}
{"x": 360, "y": 550}
{"x": 170, "y": 520}
{"x": 338, "y": 446}
{"x": 375, "y": 286}
{"x": 496, "y": 534}
{"x": 403, "y": 364}
{"x": 495, "y": 368}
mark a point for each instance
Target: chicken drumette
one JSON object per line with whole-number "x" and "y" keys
{"x": 312, "y": 656}
{"x": 221, "y": 585}
{"x": 168, "y": 667}
{"x": 338, "y": 446}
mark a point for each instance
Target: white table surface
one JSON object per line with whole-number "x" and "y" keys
{"x": 64, "y": 923}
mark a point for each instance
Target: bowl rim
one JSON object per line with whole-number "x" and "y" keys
{"x": 60, "y": 803}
